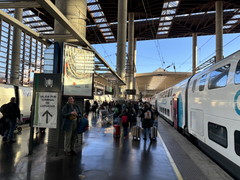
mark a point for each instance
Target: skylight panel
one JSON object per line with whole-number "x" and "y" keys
{"x": 168, "y": 13}
{"x": 226, "y": 27}
{"x": 236, "y": 17}
{"x": 232, "y": 22}
{"x": 101, "y": 23}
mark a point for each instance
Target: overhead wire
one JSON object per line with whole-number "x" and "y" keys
{"x": 152, "y": 29}
{"x": 215, "y": 50}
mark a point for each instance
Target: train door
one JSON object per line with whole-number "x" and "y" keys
{"x": 175, "y": 113}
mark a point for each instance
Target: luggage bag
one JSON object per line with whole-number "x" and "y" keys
{"x": 136, "y": 132}
{"x": 154, "y": 132}
{"x": 116, "y": 130}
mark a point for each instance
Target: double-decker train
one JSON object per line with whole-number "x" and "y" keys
{"x": 206, "y": 107}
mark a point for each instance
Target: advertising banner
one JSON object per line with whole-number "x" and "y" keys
{"x": 78, "y": 69}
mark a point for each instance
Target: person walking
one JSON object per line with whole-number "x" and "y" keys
{"x": 11, "y": 113}
{"x": 87, "y": 107}
{"x": 71, "y": 113}
{"x": 125, "y": 122}
{"x": 147, "y": 120}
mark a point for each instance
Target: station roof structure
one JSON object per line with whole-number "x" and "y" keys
{"x": 153, "y": 19}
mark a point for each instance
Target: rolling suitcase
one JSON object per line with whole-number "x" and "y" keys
{"x": 154, "y": 132}
{"x": 116, "y": 130}
{"x": 136, "y": 132}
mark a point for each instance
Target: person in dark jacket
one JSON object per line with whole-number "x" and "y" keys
{"x": 11, "y": 119}
{"x": 87, "y": 107}
{"x": 147, "y": 121}
{"x": 94, "y": 108}
{"x": 125, "y": 125}
{"x": 71, "y": 112}
{"x": 119, "y": 107}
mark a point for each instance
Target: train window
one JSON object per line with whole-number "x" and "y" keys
{"x": 202, "y": 82}
{"x": 194, "y": 85}
{"x": 218, "y": 77}
{"x": 237, "y": 142}
{"x": 168, "y": 112}
{"x": 237, "y": 74}
{"x": 218, "y": 134}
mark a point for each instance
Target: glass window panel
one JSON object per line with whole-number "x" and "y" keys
{"x": 218, "y": 134}
{"x": 218, "y": 78}
{"x": 237, "y": 74}
{"x": 237, "y": 142}
{"x": 202, "y": 82}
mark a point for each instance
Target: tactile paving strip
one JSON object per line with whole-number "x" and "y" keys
{"x": 187, "y": 168}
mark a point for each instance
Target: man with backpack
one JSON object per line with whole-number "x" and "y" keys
{"x": 11, "y": 111}
{"x": 147, "y": 120}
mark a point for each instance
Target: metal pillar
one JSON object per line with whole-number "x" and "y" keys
{"x": 130, "y": 52}
{"x": 121, "y": 41}
{"x": 219, "y": 30}
{"x": 194, "y": 53}
{"x": 134, "y": 66}
{"x": 76, "y": 13}
{"x": 16, "y": 47}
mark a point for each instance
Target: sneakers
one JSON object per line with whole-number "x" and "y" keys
{"x": 68, "y": 153}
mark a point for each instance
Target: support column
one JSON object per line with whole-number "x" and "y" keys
{"x": 16, "y": 47}
{"x": 194, "y": 53}
{"x": 76, "y": 12}
{"x": 219, "y": 30}
{"x": 130, "y": 51}
{"x": 121, "y": 41}
{"x": 134, "y": 67}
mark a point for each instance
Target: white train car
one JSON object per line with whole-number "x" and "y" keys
{"x": 214, "y": 111}
{"x": 23, "y": 98}
{"x": 7, "y": 92}
{"x": 164, "y": 104}
{"x": 206, "y": 107}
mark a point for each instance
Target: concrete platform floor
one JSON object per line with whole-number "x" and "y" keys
{"x": 104, "y": 157}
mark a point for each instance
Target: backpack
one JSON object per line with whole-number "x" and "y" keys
{"x": 8, "y": 111}
{"x": 83, "y": 125}
{"x": 148, "y": 115}
{"x": 124, "y": 119}
{"x": 116, "y": 110}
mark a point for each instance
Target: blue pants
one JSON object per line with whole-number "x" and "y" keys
{"x": 10, "y": 131}
{"x": 125, "y": 131}
{"x": 145, "y": 131}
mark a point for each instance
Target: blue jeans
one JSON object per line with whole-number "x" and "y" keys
{"x": 10, "y": 130}
{"x": 125, "y": 131}
{"x": 145, "y": 131}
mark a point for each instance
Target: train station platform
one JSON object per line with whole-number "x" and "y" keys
{"x": 104, "y": 157}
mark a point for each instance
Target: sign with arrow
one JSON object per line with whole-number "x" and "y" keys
{"x": 46, "y": 109}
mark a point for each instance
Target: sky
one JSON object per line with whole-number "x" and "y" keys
{"x": 154, "y": 54}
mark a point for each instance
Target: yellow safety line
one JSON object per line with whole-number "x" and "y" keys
{"x": 170, "y": 159}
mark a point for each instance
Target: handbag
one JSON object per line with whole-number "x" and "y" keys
{"x": 72, "y": 117}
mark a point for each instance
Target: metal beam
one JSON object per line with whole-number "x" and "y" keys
{"x": 57, "y": 14}
{"x": 12, "y": 4}
{"x": 56, "y": 36}
{"x": 11, "y": 20}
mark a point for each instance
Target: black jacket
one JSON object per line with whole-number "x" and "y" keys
{"x": 147, "y": 123}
